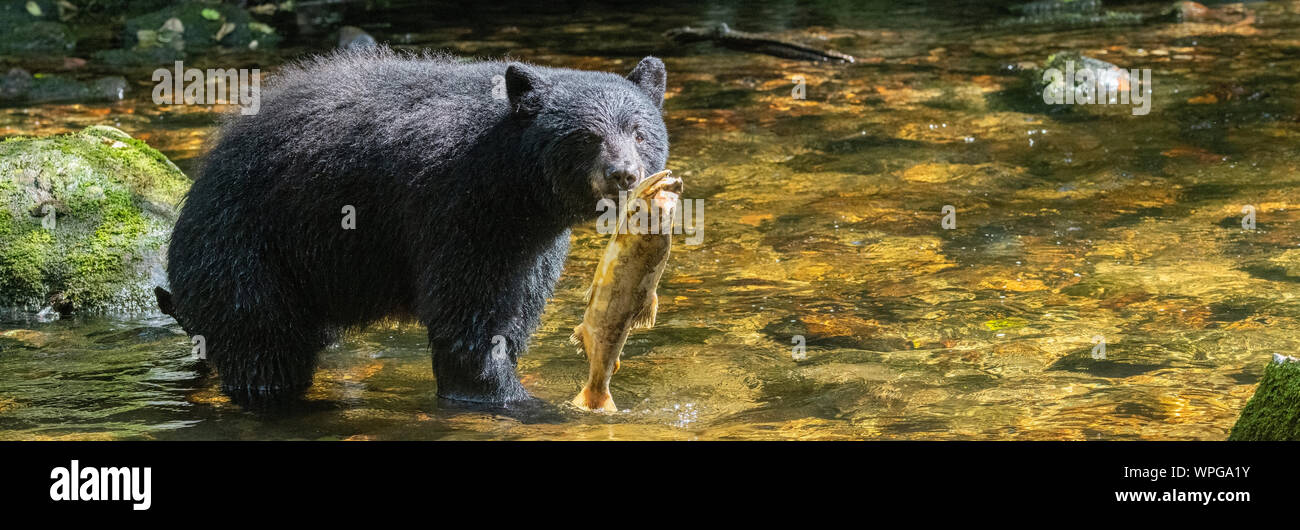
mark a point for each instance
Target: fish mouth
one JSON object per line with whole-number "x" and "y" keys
{"x": 663, "y": 181}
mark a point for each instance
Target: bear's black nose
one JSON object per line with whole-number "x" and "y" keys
{"x": 625, "y": 177}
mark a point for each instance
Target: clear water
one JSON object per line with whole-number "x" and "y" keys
{"x": 822, "y": 219}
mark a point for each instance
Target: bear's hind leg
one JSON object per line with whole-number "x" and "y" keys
{"x": 267, "y": 366}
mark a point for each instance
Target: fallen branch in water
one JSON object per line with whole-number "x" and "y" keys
{"x": 723, "y": 36}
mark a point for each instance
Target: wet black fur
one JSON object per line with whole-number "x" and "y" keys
{"x": 463, "y": 207}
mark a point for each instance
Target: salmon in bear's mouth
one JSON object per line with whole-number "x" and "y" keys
{"x": 622, "y": 295}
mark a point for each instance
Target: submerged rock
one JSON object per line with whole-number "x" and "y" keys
{"x": 21, "y": 87}
{"x": 139, "y": 56}
{"x": 1195, "y": 12}
{"x": 1067, "y": 13}
{"x": 1107, "y": 87}
{"x": 1273, "y": 413}
{"x": 36, "y": 37}
{"x": 84, "y": 221}
{"x": 1049, "y": 7}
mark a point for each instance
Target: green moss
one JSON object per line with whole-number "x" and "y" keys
{"x": 23, "y": 263}
{"x": 1273, "y": 413}
{"x": 7, "y": 188}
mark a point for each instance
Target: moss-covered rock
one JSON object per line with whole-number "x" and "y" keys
{"x": 84, "y": 221}
{"x": 1273, "y": 413}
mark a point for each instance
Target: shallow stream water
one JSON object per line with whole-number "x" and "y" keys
{"x": 822, "y": 221}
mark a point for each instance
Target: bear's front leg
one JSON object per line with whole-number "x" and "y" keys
{"x": 480, "y": 369}
{"x": 480, "y": 324}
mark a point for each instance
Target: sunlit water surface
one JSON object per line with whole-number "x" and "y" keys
{"x": 822, "y": 220}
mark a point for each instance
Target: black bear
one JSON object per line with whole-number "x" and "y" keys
{"x": 374, "y": 184}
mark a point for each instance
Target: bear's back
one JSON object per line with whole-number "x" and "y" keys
{"x": 346, "y": 110}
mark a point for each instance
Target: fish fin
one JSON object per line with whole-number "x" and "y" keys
{"x": 577, "y": 336}
{"x": 646, "y": 318}
{"x": 594, "y": 402}
{"x": 586, "y": 296}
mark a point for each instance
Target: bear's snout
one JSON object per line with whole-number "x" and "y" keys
{"x": 622, "y": 166}
{"x": 625, "y": 176}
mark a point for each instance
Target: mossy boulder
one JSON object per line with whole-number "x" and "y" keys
{"x": 1273, "y": 413}
{"x": 84, "y": 221}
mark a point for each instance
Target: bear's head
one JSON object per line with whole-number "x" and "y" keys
{"x": 595, "y": 133}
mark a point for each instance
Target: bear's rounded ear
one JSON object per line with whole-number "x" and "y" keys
{"x": 652, "y": 78}
{"x": 525, "y": 89}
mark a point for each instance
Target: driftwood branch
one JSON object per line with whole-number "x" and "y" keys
{"x": 721, "y": 35}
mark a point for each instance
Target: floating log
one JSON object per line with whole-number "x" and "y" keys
{"x": 721, "y": 35}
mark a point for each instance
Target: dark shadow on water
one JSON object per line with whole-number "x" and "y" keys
{"x": 286, "y": 407}
{"x": 528, "y": 412}
{"x": 1245, "y": 377}
{"x": 783, "y": 329}
{"x": 1139, "y": 410}
{"x": 1084, "y": 363}
{"x": 531, "y": 411}
{"x": 1271, "y": 273}
{"x": 915, "y": 426}
{"x": 137, "y": 334}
